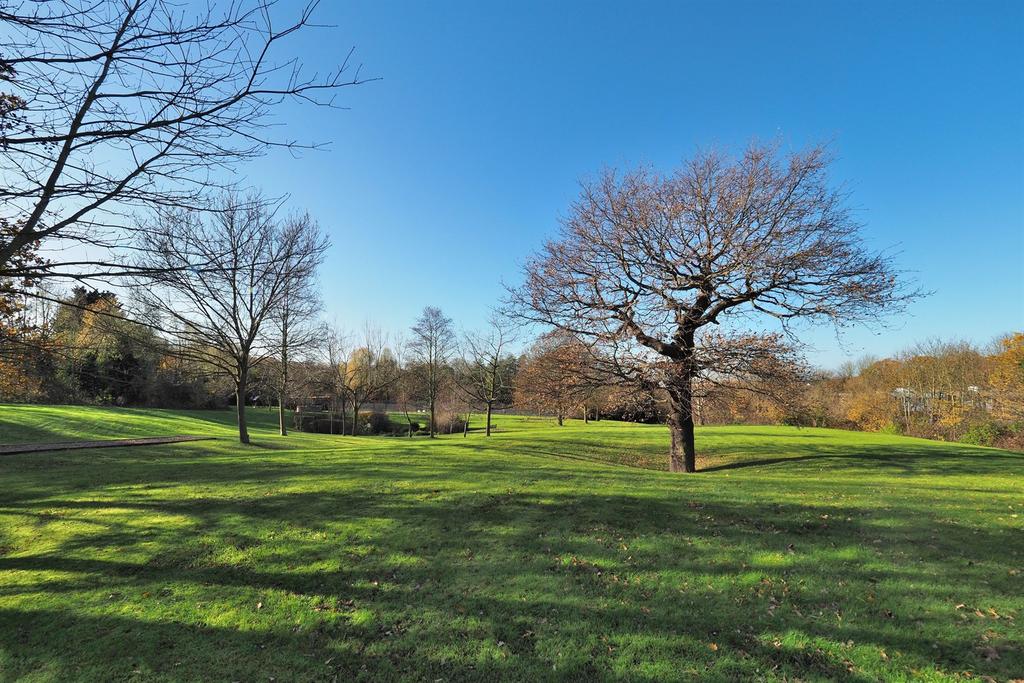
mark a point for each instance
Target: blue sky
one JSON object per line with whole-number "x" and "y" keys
{"x": 445, "y": 174}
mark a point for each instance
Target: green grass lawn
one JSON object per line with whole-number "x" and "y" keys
{"x": 542, "y": 553}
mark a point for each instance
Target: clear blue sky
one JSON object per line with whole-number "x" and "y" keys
{"x": 445, "y": 174}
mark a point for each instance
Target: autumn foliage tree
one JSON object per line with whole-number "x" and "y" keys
{"x": 1007, "y": 376}
{"x": 646, "y": 264}
{"x": 555, "y": 376}
{"x": 369, "y": 371}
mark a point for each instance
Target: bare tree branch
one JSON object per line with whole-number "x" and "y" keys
{"x": 113, "y": 107}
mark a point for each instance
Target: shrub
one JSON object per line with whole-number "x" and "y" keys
{"x": 871, "y": 412}
{"x": 984, "y": 434}
{"x": 404, "y": 427}
{"x": 633, "y": 407}
{"x": 379, "y": 423}
{"x": 374, "y": 423}
{"x": 318, "y": 424}
{"x": 890, "y": 427}
{"x": 450, "y": 424}
{"x": 1012, "y": 437}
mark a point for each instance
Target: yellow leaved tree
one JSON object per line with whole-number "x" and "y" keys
{"x": 1006, "y": 377}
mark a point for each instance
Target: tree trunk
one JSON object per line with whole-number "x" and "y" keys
{"x": 561, "y": 422}
{"x": 280, "y": 415}
{"x": 284, "y": 382}
{"x": 488, "y": 430}
{"x": 408, "y": 419}
{"x": 433, "y": 425}
{"x": 682, "y": 456}
{"x": 586, "y": 416}
{"x": 355, "y": 417}
{"x": 240, "y": 391}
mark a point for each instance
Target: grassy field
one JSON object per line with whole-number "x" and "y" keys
{"x": 543, "y": 553}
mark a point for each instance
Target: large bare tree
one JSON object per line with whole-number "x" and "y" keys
{"x": 108, "y": 107}
{"x": 646, "y": 263}
{"x": 432, "y": 346}
{"x": 219, "y": 311}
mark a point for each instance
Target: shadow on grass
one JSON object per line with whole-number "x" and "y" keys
{"x": 911, "y": 457}
{"x": 901, "y": 459}
{"x": 380, "y": 570}
{"x": 54, "y": 423}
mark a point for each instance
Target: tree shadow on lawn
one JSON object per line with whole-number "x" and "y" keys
{"x": 902, "y": 459}
{"x": 392, "y": 576}
{"x": 46, "y": 424}
{"x": 104, "y": 648}
{"x": 910, "y": 458}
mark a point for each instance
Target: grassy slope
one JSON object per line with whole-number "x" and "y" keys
{"x": 45, "y": 424}
{"x": 803, "y": 553}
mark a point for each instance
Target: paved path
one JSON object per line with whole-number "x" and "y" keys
{"x": 11, "y": 449}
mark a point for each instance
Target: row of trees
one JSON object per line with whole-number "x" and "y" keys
{"x": 246, "y": 330}
{"x": 946, "y": 390}
{"x": 949, "y": 390}
{"x": 223, "y": 290}
{"x": 432, "y": 369}
{"x": 87, "y": 349}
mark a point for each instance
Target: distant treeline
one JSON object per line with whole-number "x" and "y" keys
{"x": 951, "y": 391}
{"x": 81, "y": 348}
